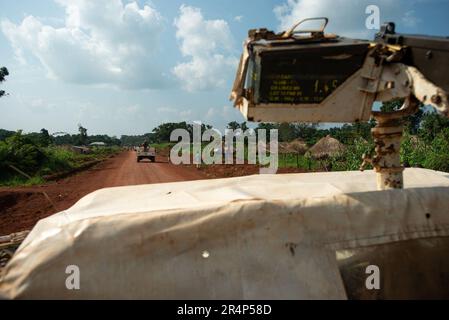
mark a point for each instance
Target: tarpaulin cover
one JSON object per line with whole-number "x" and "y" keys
{"x": 256, "y": 237}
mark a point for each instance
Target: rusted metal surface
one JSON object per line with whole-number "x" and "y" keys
{"x": 387, "y": 136}
{"x": 387, "y": 163}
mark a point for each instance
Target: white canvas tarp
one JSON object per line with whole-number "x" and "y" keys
{"x": 257, "y": 237}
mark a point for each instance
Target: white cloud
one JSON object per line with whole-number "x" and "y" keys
{"x": 166, "y": 110}
{"x": 409, "y": 19}
{"x": 175, "y": 112}
{"x": 100, "y": 42}
{"x": 38, "y": 105}
{"x": 211, "y": 113}
{"x": 208, "y": 44}
{"x": 186, "y": 113}
{"x": 129, "y": 112}
{"x": 220, "y": 117}
{"x": 346, "y": 18}
{"x": 238, "y": 18}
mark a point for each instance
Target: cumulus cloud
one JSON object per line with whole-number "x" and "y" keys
{"x": 100, "y": 42}
{"x": 346, "y": 18}
{"x": 208, "y": 44}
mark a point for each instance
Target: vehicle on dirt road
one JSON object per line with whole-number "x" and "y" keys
{"x": 146, "y": 153}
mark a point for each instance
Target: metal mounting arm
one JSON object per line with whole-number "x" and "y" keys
{"x": 387, "y": 136}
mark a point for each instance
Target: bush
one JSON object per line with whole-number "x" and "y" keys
{"x": 438, "y": 157}
{"x": 413, "y": 151}
{"x": 57, "y": 160}
{"x": 434, "y": 155}
{"x": 24, "y": 154}
{"x": 351, "y": 158}
{"x": 20, "y": 152}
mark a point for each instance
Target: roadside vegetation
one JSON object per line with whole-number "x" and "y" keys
{"x": 425, "y": 142}
{"x": 31, "y": 159}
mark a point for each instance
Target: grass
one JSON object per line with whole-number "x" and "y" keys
{"x": 291, "y": 160}
{"x": 20, "y": 181}
{"x": 284, "y": 160}
{"x": 60, "y": 159}
{"x": 56, "y": 160}
{"x": 162, "y": 146}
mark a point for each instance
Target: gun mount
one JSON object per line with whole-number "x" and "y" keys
{"x": 310, "y": 76}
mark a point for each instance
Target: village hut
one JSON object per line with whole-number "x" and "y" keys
{"x": 326, "y": 147}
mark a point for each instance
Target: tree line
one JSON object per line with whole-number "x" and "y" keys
{"x": 425, "y": 124}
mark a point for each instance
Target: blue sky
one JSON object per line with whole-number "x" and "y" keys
{"x": 119, "y": 67}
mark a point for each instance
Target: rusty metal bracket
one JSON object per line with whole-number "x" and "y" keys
{"x": 387, "y": 136}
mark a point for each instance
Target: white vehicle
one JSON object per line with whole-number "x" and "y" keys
{"x": 146, "y": 153}
{"x": 329, "y": 235}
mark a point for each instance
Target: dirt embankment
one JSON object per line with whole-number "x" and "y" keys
{"x": 22, "y": 207}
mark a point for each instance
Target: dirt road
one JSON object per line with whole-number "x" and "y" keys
{"x": 21, "y": 208}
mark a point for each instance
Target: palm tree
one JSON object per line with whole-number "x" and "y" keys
{"x": 233, "y": 125}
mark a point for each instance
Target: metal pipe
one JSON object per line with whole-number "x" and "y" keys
{"x": 387, "y": 163}
{"x": 387, "y": 136}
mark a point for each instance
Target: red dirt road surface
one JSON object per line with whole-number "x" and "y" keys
{"x": 21, "y": 208}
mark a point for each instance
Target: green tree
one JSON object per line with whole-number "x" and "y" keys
{"x": 286, "y": 132}
{"x": 5, "y": 134}
{"x": 82, "y": 137}
{"x": 308, "y": 132}
{"x": 432, "y": 124}
{"x": 3, "y": 74}
{"x": 137, "y": 140}
{"x": 413, "y": 122}
{"x": 45, "y": 138}
{"x": 267, "y": 126}
{"x": 437, "y": 158}
{"x": 20, "y": 151}
{"x": 66, "y": 139}
{"x": 162, "y": 132}
{"x": 244, "y": 126}
{"x": 351, "y": 158}
{"x": 233, "y": 125}
{"x": 392, "y": 105}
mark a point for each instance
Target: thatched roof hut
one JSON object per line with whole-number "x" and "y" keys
{"x": 326, "y": 147}
{"x": 299, "y": 146}
{"x": 296, "y": 146}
